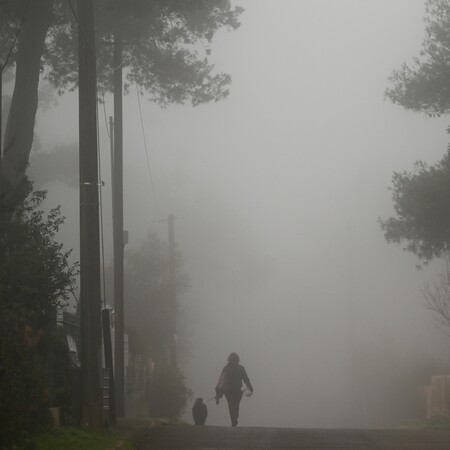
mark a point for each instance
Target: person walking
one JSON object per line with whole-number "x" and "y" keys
{"x": 230, "y": 385}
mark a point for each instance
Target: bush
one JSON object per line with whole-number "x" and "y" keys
{"x": 69, "y": 438}
{"x": 35, "y": 280}
{"x": 167, "y": 394}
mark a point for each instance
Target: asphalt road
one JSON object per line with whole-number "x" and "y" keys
{"x": 184, "y": 437}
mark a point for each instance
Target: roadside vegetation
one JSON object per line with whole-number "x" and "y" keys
{"x": 36, "y": 280}
{"x": 71, "y": 438}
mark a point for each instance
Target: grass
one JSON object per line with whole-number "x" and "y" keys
{"x": 129, "y": 432}
{"x": 439, "y": 422}
{"x": 68, "y": 438}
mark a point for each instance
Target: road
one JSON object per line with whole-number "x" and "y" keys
{"x": 184, "y": 437}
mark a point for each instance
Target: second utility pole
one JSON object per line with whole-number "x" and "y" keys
{"x": 119, "y": 329}
{"x": 172, "y": 295}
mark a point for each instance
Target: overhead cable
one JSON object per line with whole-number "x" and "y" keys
{"x": 146, "y": 151}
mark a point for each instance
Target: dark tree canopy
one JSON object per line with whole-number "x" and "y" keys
{"x": 11, "y": 15}
{"x": 422, "y": 206}
{"x": 425, "y": 86}
{"x": 165, "y": 51}
{"x": 165, "y": 44}
{"x": 422, "y": 198}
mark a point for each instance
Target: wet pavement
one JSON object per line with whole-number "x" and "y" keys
{"x": 183, "y": 437}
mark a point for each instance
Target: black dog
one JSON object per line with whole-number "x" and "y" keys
{"x": 199, "y": 412}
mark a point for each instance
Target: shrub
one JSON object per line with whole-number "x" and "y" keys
{"x": 167, "y": 394}
{"x": 35, "y": 279}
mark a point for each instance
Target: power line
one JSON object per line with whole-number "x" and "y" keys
{"x": 146, "y": 151}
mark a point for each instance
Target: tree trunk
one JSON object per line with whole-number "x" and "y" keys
{"x": 20, "y": 126}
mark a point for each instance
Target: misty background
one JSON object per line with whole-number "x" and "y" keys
{"x": 277, "y": 191}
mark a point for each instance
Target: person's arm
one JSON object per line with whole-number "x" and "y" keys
{"x": 246, "y": 380}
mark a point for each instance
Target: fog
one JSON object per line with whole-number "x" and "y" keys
{"x": 277, "y": 191}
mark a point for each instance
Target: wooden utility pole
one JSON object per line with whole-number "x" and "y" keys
{"x": 90, "y": 302}
{"x": 172, "y": 294}
{"x": 111, "y": 148}
{"x": 1, "y": 116}
{"x": 109, "y": 365}
{"x": 119, "y": 329}
{"x": 356, "y": 395}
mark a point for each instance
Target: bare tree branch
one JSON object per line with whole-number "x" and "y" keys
{"x": 437, "y": 295}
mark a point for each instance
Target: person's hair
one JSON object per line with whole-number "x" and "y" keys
{"x": 233, "y": 358}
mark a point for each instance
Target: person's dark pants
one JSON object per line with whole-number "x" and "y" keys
{"x": 233, "y": 399}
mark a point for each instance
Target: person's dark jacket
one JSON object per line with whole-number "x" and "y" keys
{"x": 231, "y": 379}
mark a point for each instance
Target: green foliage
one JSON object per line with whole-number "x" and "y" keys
{"x": 421, "y": 199}
{"x": 77, "y": 439}
{"x": 439, "y": 423}
{"x": 35, "y": 274}
{"x": 424, "y": 86}
{"x": 147, "y": 311}
{"x": 148, "y": 317}
{"x": 165, "y": 51}
{"x": 167, "y": 393}
{"x": 422, "y": 206}
{"x": 11, "y": 13}
{"x": 161, "y": 47}
{"x": 35, "y": 279}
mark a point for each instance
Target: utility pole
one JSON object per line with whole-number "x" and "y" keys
{"x": 1, "y": 116}
{"x": 356, "y": 395}
{"x": 172, "y": 295}
{"x": 111, "y": 148}
{"x": 118, "y": 231}
{"x": 109, "y": 365}
{"x": 90, "y": 302}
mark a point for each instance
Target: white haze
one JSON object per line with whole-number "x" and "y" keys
{"x": 277, "y": 191}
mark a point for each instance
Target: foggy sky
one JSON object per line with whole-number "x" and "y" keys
{"x": 277, "y": 191}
